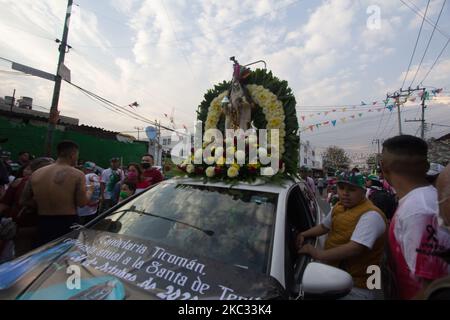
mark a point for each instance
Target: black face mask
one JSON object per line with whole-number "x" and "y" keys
{"x": 145, "y": 165}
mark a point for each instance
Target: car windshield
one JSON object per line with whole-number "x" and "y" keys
{"x": 228, "y": 225}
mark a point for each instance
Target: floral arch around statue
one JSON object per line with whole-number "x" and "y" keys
{"x": 251, "y": 100}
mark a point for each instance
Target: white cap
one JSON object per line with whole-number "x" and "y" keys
{"x": 435, "y": 169}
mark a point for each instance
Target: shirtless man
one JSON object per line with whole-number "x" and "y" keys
{"x": 57, "y": 190}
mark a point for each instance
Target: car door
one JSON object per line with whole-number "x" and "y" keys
{"x": 298, "y": 218}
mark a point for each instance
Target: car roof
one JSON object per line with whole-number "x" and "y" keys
{"x": 257, "y": 186}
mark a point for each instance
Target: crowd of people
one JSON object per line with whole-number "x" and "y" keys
{"x": 44, "y": 198}
{"x": 398, "y": 220}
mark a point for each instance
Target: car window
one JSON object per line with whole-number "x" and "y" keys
{"x": 297, "y": 220}
{"x": 228, "y": 225}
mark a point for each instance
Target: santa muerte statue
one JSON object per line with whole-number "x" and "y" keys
{"x": 253, "y": 99}
{"x": 237, "y": 105}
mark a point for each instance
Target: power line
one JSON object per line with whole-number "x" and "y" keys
{"x": 31, "y": 33}
{"x": 428, "y": 44}
{"x": 435, "y": 61}
{"x": 415, "y": 46}
{"x": 121, "y": 109}
{"x": 419, "y": 13}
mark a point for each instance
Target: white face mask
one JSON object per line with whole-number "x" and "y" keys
{"x": 442, "y": 224}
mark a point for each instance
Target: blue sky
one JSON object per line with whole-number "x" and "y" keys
{"x": 165, "y": 54}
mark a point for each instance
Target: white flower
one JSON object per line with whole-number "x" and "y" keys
{"x": 267, "y": 171}
{"x": 252, "y": 139}
{"x": 210, "y": 160}
{"x": 190, "y": 168}
{"x": 218, "y": 152}
{"x": 240, "y": 156}
{"x": 210, "y": 172}
{"x": 232, "y": 172}
{"x": 262, "y": 152}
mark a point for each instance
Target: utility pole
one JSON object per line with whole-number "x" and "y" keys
{"x": 13, "y": 100}
{"x": 396, "y": 96}
{"x": 377, "y": 141}
{"x": 422, "y": 120}
{"x": 422, "y": 131}
{"x": 53, "y": 116}
{"x": 397, "y": 102}
{"x": 138, "y": 130}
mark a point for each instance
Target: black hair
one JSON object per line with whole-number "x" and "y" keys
{"x": 23, "y": 152}
{"x": 406, "y": 145}
{"x": 148, "y": 155}
{"x": 65, "y": 148}
{"x": 40, "y": 162}
{"x": 130, "y": 185}
{"x": 407, "y": 156}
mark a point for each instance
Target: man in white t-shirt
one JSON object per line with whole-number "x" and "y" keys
{"x": 356, "y": 233}
{"x": 109, "y": 179}
{"x": 89, "y": 211}
{"x": 414, "y": 238}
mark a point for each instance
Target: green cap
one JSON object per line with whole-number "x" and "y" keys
{"x": 373, "y": 177}
{"x": 353, "y": 178}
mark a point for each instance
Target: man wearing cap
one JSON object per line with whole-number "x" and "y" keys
{"x": 433, "y": 172}
{"x": 356, "y": 232}
{"x": 110, "y": 177}
{"x": 89, "y": 211}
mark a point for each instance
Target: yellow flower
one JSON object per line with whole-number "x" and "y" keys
{"x": 232, "y": 172}
{"x": 274, "y": 123}
{"x": 235, "y": 165}
{"x": 210, "y": 172}
{"x": 190, "y": 168}
{"x": 230, "y": 151}
{"x": 209, "y": 160}
{"x": 220, "y": 161}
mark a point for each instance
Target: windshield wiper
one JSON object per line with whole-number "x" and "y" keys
{"x": 133, "y": 209}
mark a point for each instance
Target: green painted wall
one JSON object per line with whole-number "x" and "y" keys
{"x": 27, "y": 137}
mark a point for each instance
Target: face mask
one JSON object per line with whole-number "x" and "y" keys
{"x": 123, "y": 195}
{"x": 132, "y": 175}
{"x": 145, "y": 165}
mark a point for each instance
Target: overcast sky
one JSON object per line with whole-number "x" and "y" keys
{"x": 165, "y": 54}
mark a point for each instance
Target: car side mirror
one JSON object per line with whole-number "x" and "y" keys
{"x": 321, "y": 281}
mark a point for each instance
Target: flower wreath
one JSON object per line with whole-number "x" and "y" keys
{"x": 275, "y": 110}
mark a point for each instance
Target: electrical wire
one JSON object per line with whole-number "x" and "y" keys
{"x": 415, "y": 46}
{"x": 428, "y": 44}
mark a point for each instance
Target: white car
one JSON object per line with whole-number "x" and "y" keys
{"x": 184, "y": 239}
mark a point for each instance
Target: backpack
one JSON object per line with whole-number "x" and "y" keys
{"x": 385, "y": 201}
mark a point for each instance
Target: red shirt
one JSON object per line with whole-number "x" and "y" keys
{"x": 153, "y": 176}
{"x": 415, "y": 241}
{"x": 12, "y": 200}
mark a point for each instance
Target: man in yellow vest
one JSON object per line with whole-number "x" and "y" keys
{"x": 356, "y": 233}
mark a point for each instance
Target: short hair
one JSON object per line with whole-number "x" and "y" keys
{"x": 65, "y": 148}
{"x": 23, "y": 152}
{"x": 409, "y": 155}
{"x": 148, "y": 155}
{"x": 406, "y": 145}
{"x": 40, "y": 162}
{"x": 130, "y": 185}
